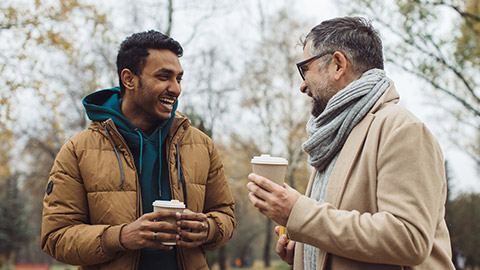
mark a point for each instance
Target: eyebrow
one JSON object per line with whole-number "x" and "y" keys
{"x": 168, "y": 71}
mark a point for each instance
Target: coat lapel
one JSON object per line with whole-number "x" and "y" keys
{"x": 352, "y": 149}
{"x": 346, "y": 160}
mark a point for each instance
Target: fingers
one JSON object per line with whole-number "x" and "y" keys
{"x": 290, "y": 251}
{"x": 193, "y": 229}
{"x": 262, "y": 182}
{"x": 189, "y": 215}
{"x": 161, "y": 240}
{"x": 285, "y": 250}
{"x": 162, "y": 226}
{"x": 159, "y": 215}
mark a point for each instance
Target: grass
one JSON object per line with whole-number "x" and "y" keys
{"x": 53, "y": 267}
{"x": 63, "y": 267}
{"x": 258, "y": 265}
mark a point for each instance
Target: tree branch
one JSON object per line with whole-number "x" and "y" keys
{"x": 440, "y": 88}
{"x": 437, "y": 58}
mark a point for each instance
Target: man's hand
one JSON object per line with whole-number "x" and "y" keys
{"x": 272, "y": 200}
{"x": 283, "y": 249}
{"x": 192, "y": 228}
{"x": 149, "y": 231}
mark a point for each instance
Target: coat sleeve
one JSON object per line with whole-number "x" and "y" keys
{"x": 410, "y": 196}
{"x": 219, "y": 205}
{"x": 66, "y": 233}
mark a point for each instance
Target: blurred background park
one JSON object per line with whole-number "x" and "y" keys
{"x": 240, "y": 87}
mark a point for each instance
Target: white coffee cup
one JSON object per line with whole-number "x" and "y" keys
{"x": 273, "y": 168}
{"x": 173, "y": 205}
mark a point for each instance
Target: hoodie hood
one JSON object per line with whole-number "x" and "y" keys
{"x": 146, "y": 150}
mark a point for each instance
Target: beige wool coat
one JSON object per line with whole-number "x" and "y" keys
{"x": 92, "y": 197}
{"x": 385, "y": 201}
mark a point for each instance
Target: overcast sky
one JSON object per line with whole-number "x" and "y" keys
{"x": 412, "y": 91}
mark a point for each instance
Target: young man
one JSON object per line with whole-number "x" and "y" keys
{"x": 138, "y": 149}
{"x": 376, "y": 199}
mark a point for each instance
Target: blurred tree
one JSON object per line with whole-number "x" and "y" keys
{"x": 45, "y": 70}
{"x": 424, "y": 42}
{"x": 464, "y": 225}
{"x": 6, "y": 142}
{"x": 15, "y": 229}
{"x": 247, "y": 236}
{"x": 277, "y": 112}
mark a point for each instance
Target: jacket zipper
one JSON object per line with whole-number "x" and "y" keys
{"x": 169, "y": 151}
{"x": 180, "y": 261}
{"x": 139, "y": 202}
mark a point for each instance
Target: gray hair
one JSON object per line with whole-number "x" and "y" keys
{"x": 353, "y": 36}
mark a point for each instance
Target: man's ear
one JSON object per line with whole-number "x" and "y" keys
{"x": 128, "y": 79}
{"x": 341, "y": 65}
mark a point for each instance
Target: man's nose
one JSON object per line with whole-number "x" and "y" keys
{"x": 175, "y": 88}
{"x": 303, "y": 87}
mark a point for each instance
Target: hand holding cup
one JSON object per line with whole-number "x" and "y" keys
{"x": 274, "y": 169}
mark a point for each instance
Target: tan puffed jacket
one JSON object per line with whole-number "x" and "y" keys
{"x": 385, "y": 200}
{"x": 92, "y": 197}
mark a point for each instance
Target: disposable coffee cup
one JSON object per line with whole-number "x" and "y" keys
{"x": 173, "y": 205}
{"x": 272, "y": 168}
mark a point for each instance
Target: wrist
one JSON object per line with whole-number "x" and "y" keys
{"x": 111, "y": 239}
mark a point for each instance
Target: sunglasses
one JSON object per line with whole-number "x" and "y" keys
{"x": 304, "y": 62}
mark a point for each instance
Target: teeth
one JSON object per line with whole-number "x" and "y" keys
{"x": 169, "y": 101}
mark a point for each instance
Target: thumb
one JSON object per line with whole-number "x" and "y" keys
{"x": 277, "y": 229}
{"x": 287, "y": 186}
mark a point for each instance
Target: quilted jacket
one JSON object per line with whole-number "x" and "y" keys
{"x": 93, "y": 191}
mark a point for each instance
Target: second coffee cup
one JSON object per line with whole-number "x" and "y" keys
{"x": 272, "y": 168}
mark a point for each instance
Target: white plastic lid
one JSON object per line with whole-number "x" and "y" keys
{"x": 267, "y": 159}
{"x": 169, "y": 204}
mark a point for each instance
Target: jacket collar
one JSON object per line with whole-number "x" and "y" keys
{"x": 352, "y": 147}
{"x": 353, "y": 143}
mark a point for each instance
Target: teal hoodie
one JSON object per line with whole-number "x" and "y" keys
{"x": 146, "y": 150}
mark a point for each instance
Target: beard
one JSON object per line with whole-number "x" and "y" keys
{"x": 323, "y": 93}
{"x": 318, "y": 106}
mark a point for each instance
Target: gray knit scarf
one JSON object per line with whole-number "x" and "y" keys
{"x": 329, "y": 131}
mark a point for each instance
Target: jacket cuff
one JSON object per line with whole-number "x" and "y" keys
{"x": 212, "y": 231}
{"x": 111, "y": 239}
{"x": 295, "y": 221}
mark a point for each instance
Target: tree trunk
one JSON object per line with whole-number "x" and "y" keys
{"x": 222, "y": 258}
{"x": 10, "y": 260}
{"x": 268, "y": 240}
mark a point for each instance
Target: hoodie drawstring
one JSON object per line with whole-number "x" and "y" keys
{"x": 181, "y": 177}
{"x": 160, "y": 164}
{"x": 118, "y": 158}
{"x": 141, "y": 149}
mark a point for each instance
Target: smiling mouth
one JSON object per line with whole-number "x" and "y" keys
{"x": 308, "y": 92}
{"x": 168, "y": 101}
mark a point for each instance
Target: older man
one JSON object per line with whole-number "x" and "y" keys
{"x": 376, "y": 199}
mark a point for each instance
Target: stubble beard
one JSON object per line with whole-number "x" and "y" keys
{"x": 323, "y": 93}
{"x": 318, "y": 106}
{"x": 146, "y": 103}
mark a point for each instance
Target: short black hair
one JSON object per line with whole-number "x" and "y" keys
{"x": 353, "y": 36}
{"x": 134, "y": 51}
